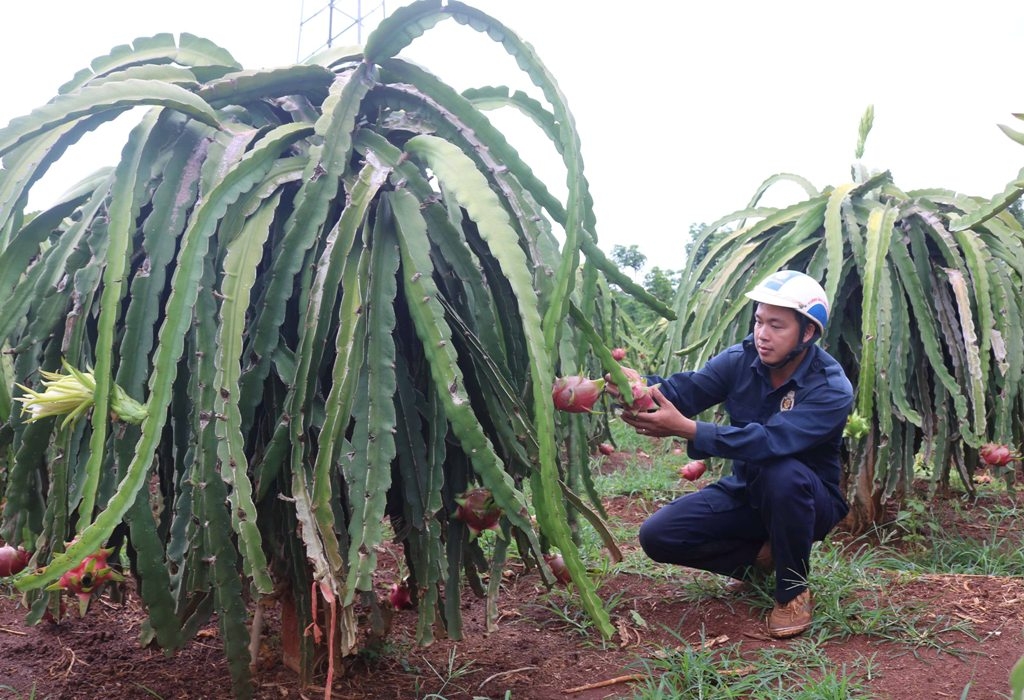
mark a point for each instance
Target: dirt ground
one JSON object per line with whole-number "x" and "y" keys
{"x": 543, "y": 649}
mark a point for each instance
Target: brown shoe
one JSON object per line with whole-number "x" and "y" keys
{"x": 792, "y": 618}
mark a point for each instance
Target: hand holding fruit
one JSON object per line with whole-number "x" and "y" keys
{"x": 664, "y": 421}
{"x": 642, "y": 400}
{"x": 691, "y": 471}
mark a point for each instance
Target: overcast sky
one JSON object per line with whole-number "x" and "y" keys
{"x": 683, "y": 108}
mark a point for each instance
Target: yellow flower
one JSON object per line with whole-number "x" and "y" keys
{"x": 72, "y": 395}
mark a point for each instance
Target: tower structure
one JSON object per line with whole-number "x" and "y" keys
{"x": 337, "y": 23}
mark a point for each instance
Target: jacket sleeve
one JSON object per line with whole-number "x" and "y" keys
{"x": 815, "y": 420}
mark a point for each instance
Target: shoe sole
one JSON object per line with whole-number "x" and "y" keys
{"x": 787, "y": 632}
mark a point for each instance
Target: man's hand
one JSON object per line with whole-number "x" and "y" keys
{"x": 665, "y": 421}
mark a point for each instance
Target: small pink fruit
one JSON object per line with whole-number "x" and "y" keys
{"x": 618, "y": 354}
{"x": 576, "y": 394}
{"x": 478, "y": 510}
{"x": 12, "y": 560}
{"x": 558, "y": 567}
{"x": 399, "y": 595}
{"x": 995, "y": 455}
{"x": 691, "y": 471}
{"x": 605, "y": 448}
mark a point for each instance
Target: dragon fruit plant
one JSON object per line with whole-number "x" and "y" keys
{"x": 331, "y": 290}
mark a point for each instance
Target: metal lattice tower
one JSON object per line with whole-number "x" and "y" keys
{"x": 341, "y": 22}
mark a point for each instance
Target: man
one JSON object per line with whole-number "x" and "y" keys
{"x": 787, "y": 401}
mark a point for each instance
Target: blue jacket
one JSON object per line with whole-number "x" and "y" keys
{"x": 802, "y": 419}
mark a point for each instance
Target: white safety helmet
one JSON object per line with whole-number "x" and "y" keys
{"x": 794, "y": 290}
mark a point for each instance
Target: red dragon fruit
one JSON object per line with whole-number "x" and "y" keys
{"x": 618, "y": 354}
{"x": 558, "y": 567}
{"x": 576, "y": 394}
{"x": 643, "y": 401}
{"x": 87, "y": 577}
{"x": 400, "y": 596}
{"x": 996, "y": 455}
{"x": 478, "y": 510}
{"x": 12, "y": 560}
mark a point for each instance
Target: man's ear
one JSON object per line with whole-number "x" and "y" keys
{"x": 809, "y": 332}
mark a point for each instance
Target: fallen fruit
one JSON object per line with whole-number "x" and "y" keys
{"x": 399, "y": 595}
{"x": 478, "y": 510}
{"x": 12, "y": 560}
{"x": 605, "y": 448}
{"x": 558, "y": 567}
{"x": 691, "y": 471}
{"x": 576, "y": 394}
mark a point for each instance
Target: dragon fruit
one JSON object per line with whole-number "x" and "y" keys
{"x": 87, "y": 578}
{"x": 12, "y": 560}
{"x": 996, "y": 455}
{"x": 643, "y": 401}
{"x": 576, "y": 394}
{"x": 691, "y": 471}
{"x": 478, "y": 510}
{"x": 558, "y": 567}
{"x": 400, "y": 596}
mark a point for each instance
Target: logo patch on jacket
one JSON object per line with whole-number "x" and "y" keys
{"x": 787, "y": 401}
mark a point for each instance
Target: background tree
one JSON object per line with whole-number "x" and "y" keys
{"x": 630, "y": 257}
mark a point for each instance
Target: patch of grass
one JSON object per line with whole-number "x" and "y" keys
{"x": 625, "y": 438}
{"x": 1000, "y": 514}
{"x": 567, "y": 615}
{"x": 994, "y": 556}
{"x": 658, "y": 482}
{"x": 851, "y": 597}
{"x": 449, "y": 676}
{"x": 936, "y": 549}
{"x": 801, "y": 670}
{"x": 15, "y": 694}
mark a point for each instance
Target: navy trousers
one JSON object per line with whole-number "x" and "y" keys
{"x": 721, "y": 527}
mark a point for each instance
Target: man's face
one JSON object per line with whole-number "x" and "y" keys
{"x": 776, "y": 332}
